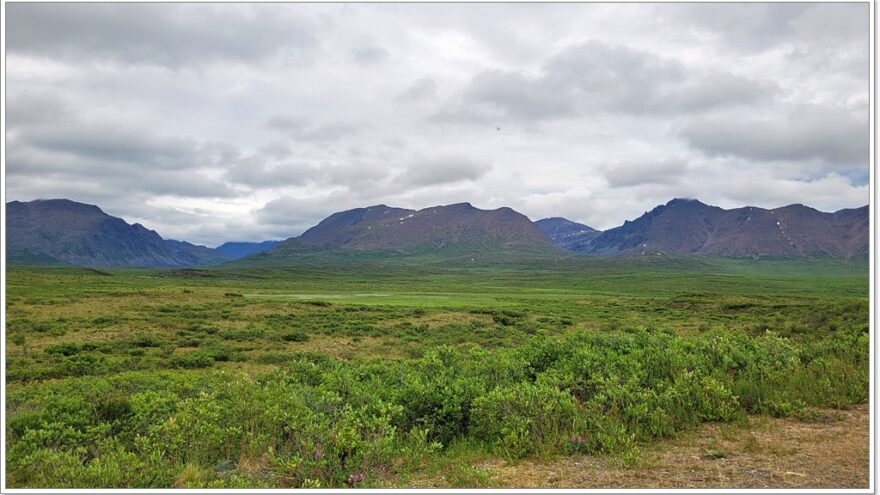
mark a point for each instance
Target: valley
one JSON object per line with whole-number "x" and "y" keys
{"x": 377, "y": 371}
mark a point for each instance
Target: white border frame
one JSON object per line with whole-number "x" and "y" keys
{"x": 872, "y": 300}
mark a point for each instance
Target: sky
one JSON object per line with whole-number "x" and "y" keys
{"x": 231, "y": 122}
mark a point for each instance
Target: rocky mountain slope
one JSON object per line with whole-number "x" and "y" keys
{"x": 690, "y": 226}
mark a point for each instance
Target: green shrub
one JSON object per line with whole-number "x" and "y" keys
{"x": 192, "y": 360}
{"x": 524, "y": 419}
{"x": 295, "y": 336}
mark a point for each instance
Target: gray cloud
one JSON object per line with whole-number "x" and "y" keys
{"x": 741, "y": 26}
{"x": 255, "y": 172}
{"x": 111, "y": 143}
{"x": 25, "y": 108}
{"x": 805, "y": 132}
{"x": 442, "y": 170}
{"x": 627, "y": 174}
{"x": 421, "y": 89}
{"x": 827, "y": 22}
{"x": 156, "y": 34}
{"x": 598, "y": 77}
{"x": 118, "y": 157}
{"x": 369, "y": 54}
{"x": 302, "y": 129}
{"x": 31, "y": 166}
{"x": 298, "y": 213}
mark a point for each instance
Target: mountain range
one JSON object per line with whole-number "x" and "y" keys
{"x": 64, "y": 232}
{"x": 689, "y": 226}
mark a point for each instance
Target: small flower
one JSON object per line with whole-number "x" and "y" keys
{"x": 355, "y": 478}
{"x": 577, "y": 439}
{"x": 319, "y": 454}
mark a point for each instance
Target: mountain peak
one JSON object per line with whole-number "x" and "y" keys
{"x": 685, "y": 201}
{"x": 61, "y": 204}
{"x": 459, "y": 206}
{"x": 457, "y": 226}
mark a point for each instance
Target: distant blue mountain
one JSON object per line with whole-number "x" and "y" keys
{"x": 566, "y": 234}
{"x": 64, "y": 232}
{"x": 236, "y": 250}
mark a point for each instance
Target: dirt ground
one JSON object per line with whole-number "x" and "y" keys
{"x": 829, "y": 451}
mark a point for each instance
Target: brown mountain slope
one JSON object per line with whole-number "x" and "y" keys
{"x": 456, "y": 227}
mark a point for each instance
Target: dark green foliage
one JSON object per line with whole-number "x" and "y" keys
{"x": 113, "y": 409}
{"x": 192, "y": 360}
{"x": 295, "y": 336}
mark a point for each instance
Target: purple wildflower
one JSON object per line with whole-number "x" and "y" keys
{"x": 578, "y": 439}
{"x": 319, "y": 454}
{"x": 356, "y": 478}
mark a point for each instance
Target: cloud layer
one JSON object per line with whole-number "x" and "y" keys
{"x": 224, "y": 122}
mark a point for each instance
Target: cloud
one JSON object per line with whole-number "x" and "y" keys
{"x": 604, "y": 110}
{"x": 369, "y": 54}
{"x": 119, "y": 157}
{"x": 627, "y": 174}
{"x": 302, "y": 129}
{"x": 112, "y": 143}
{"x": 156, "y": 34}
{"x": 829, "y": 135}
{"x": 298, "y": 213}
{"x": 739, "y": 26}
{"x": 29, "y": 167}
{"x": 442, "y": 170}
{"x": 826, "y": 22}
{"x": 254, "y": 171}
{"x": 598, "y": 77}
{"x": 421, "y": 89}
{"x": 29, "y": 108}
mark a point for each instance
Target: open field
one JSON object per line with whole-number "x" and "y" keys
{"x": 399, "y": 373}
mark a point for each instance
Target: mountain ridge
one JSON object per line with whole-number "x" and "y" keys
{"x": 693, "y": 227}
{"x": 82, "y": 234}
{"x": 65, "y": 232}
{"x": 458, "y": 227}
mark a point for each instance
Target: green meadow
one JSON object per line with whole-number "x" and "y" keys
{"x": 370, "y": 372}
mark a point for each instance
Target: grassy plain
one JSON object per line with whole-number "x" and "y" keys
{"x": 376, "y": 372}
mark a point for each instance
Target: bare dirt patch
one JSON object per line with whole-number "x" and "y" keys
{"x": 829, "y": 451}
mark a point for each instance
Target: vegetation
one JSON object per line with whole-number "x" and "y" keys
{"x": 325, "y": 376}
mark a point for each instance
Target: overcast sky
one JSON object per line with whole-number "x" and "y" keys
{"x": 224, "y": 122}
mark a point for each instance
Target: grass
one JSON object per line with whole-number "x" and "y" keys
{"x": 325, "y": 375}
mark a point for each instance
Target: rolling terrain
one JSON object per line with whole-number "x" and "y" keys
{"x": 399, "y": 373}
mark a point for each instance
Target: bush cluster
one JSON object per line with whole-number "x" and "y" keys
{"x": 317, "y": 421}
